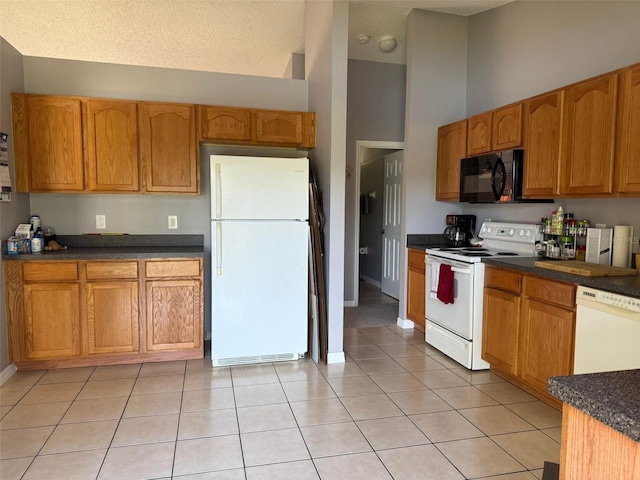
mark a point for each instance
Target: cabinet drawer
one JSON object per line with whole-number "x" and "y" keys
{"x": 502, "y": 280}
{"x": 548, "y": 291}
{"x": 110, "y": 270}
{"x": 173, "y": 268}
{"x": 49, "y": 271}
{"x": 416, "y": 258}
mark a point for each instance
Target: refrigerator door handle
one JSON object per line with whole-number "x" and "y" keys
{"x": 218, "y": 248}
{"x": 218, "y": 192}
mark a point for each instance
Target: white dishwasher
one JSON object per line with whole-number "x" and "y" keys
{"x": 607, "y": 332}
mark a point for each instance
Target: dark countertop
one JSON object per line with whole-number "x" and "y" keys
{"x": 610, "y": 397}
{"x": 87, "y": 247}
{"x": 623, "y": 285}
{"x": 422, "y": 242}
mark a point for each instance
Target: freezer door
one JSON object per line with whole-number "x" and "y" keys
{"x": 259, "y": 188}
{"x": 259, "y": 282}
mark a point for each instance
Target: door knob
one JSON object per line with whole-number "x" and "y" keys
{"x": 382, "y": 231}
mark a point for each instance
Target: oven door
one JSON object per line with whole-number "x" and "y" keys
{"x": 456, "y": 317}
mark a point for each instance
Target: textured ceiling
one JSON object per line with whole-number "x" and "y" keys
{"x": 251, "y": 37}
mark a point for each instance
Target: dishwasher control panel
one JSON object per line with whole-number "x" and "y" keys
{"x": 586, "y": 294}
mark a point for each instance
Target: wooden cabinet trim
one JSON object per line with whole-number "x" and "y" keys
{"x": 173, "y": 268}
{"x": 452, "y": 148}
{"x": 627, "y": 166}
{"x": 225, "y": 124}
{"x": 545, "y": 290}
{"x": 506, "y": 127}
{"x": 54, "y": 271}
{"x": 502, "y": 279}
{"x": 479, "y": 134}
{"x": 108, "y": 270}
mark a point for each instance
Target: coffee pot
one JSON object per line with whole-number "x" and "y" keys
{"x": 460, "y": 229}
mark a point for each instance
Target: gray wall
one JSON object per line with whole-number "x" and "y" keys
{"x": 376, "y": 94}
{"x": 145, "y": 214}
{"x": 372, "y": 180}
{"x": 17, "y": 210}
{"x": 326, "y": 28}
{"x": 436, "y": 86}
{"x": 563, "y": 42}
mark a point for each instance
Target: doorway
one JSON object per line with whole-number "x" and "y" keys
{"x": 377, "y": 217}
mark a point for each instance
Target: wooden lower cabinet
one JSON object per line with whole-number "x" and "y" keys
{"x": 51, "y": 320}
{"x": 546, "y": 341}
{"x": 416, "y": 285}
{"x": 174, "y": 314}
{"x": 112, "y": 317}
{"x": 500, "y": 336}
{"x": 81, "y": 313}
{"x": 528, "y": 329}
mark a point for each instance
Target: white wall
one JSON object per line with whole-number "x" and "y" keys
{"x": 326, "y": 28}
{"x": 376, "y": 95}
{"x": 436, "y": 91}
{"x": 563, "y": 42}
{"x": 17, "y": 210}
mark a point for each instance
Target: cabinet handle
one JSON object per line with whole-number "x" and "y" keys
{"x": 218, "y": 192}
{"x": 219, "y": 249}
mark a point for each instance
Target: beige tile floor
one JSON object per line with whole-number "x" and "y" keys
{"x": 396, "y": 409}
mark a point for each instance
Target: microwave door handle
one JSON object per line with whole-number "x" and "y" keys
{"x": 503, "y": 179}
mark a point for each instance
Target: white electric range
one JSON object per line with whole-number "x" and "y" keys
{"x": 456, "y": 328}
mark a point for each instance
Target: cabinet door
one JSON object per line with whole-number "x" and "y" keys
{"x": 542, "y": 133}
{"x": 500, "y": 329}
{"x": 628, "y": 151}
{"x": 416, "y": 289}
{"x": 275, "y": 128}
{"x": 586, "y": 167}
{"x": 174, "y": 314}
{"x": 506, "y": 127}
{"x": 111, "y": 142}
{"x": 546, "y": 342}
{"x": 112, "y": 317}
{"x": 479, "y": 134}
{"x": 168, "y": 148}
{"x": 452, "y": 147}
{"x": 52, "y": 321}
{"x": 55, "y": 144}
{"x": 224, "y": 124}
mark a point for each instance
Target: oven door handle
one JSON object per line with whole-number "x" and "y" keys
{"x": 453, "y": 268}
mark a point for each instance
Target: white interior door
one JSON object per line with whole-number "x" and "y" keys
{"x": 391, "y": 224}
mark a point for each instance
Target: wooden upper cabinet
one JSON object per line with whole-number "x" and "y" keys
{"x": 452, "y": 144}
{"x": 628, "y": 142}
{"x": 224, "y": 124}
{"x": 479, "y": 134}
{"x": 506, "y": 127}
{"x": 586, "y": 166}
{"x": 111, "y": 145}
{"x": 542, "y": 134}
{"x": 168, "y": 148}
{"x": 279, "y": 127}
{"x": 48, "y": 139}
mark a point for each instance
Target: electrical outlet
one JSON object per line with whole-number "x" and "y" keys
{"x": 101, "y": 222}
{"x": 173, "y": 222}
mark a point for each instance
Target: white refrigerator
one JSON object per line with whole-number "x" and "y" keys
{"x": 259, "y": 253}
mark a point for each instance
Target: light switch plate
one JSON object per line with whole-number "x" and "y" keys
{"x": 173, "y": 222}
{"x": 101, "y": 222}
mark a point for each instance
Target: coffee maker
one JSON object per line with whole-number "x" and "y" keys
{"x": 460, "y": 229}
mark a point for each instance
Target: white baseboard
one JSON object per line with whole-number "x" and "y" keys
{"x": 335, "y": 357}
{"x": 350, "y": 303}
{"x": 370, "y": 280}
{"x": 407, "y": 324}
{"x": 7, "y": 373}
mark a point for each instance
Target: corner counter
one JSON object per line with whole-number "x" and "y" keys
{"x": 624, "y": 285}
{"x": 600, "y": 425}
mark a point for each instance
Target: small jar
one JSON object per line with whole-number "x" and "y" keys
{"x": 36, "y": 244}
{"x": 567, "y": 248}
{"x": 581, "y": 253}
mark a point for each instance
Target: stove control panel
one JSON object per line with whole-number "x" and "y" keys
{"x": 524, "y": 233}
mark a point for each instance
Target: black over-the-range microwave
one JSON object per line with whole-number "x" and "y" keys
{"x": 494, "y": 178}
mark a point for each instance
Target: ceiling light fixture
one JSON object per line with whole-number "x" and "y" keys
{"x": 364, "y": 38}
{"x": 388, "y": 44}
